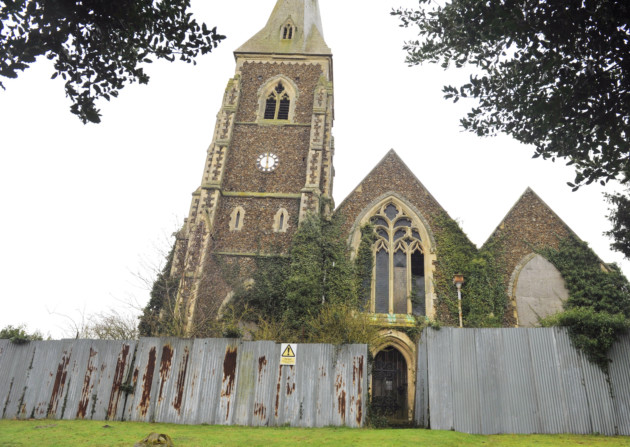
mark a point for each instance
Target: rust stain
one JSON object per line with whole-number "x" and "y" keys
{"x": 229, "y": 374}
{"x": 262, "y": 362}
{"x": 119, "y": 373}
{"x": 165, "y": 367}
{"x": 181, "y": 380}
{"x": 261, "y": 411}
{"x": 86, "y": 390}
{"x": 278, "y": 389}
{"x": 342, "y": 405}
{"x": 147, "y": 380}
{"x": 359, "y": 402}
{"x": 59, "y": 385}
{"x": 340, "y": 392}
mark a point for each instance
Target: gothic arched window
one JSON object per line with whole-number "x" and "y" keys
{"x": 287, "y": 32}
{"x": 277, "y": 104}
{"x": 281, "y": 221}
{"x": 237, "y": 218}
{"x": 398, "y": 284}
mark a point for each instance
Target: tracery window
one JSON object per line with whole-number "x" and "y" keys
{"x": 278, "y": 104}
{"x": 398, "y": 280}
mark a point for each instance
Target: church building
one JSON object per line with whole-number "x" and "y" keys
{"x": 270, "y": 163}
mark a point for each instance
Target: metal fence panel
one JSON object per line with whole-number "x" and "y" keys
{"x": 573, "y": 385}
{"x": 466, "y": 408}
{"x": 440, "y": 378}
{"x": 14, "y": 370}
{"x": 491, "y": 378}
{"x": 523, "y": 381}
{"x": 620, "y": 383}
{"x": 548, "y": 387}
{"x": 421, "y": 410}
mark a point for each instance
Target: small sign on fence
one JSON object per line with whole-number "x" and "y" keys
{"x": 289, "y": 351}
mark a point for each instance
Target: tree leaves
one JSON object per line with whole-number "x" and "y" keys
{"x": 556, "y": 74}
{"x": 99, "y": 47}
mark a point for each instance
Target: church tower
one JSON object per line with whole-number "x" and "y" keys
{"x": 269, "y": 164}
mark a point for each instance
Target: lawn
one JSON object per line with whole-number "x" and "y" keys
{"x": 111, "y": 434}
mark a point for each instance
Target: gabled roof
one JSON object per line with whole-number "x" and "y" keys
{"x": 308, "y": 35}
{"x": 518, "y": 207}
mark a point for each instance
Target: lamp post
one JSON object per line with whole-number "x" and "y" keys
{"x": 458, "y": 280}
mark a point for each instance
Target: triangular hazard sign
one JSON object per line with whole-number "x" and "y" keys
{"x": 288, "y": 352}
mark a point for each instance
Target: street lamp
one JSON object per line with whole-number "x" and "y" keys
{"x": 458, "y": 280}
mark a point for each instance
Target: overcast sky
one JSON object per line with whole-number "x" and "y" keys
{"x": 88, "y": 208}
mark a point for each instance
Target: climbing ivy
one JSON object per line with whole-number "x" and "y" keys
{"x": 598, "y": 308}
{"x": 483, "y": 294}
{"x": 159, "y": 314}
{"x": 311, "y": 295}
{"x": 364, "y": 264}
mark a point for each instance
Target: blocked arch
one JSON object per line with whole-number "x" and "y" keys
{"x": 550, "y": 288}
{"x": 400, "y": 341}
{"x": 267, "y": 88}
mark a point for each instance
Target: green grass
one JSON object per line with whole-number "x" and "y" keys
{"x": 93, "y": 433}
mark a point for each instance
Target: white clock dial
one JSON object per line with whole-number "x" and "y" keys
{"x": 267, "y": 162}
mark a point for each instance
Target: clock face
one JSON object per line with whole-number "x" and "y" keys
{"x": 267, "y": 162}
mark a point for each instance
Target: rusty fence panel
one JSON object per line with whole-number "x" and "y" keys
{"x": 488, "y": 381}
{"x": 67, "y": 379}
{"x": 211, "y": 381}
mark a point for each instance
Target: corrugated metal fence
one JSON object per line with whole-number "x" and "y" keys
{"x": 489, "y": 381}
{"x": 213, "y": 381}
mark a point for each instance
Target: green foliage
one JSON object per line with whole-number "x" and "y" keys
{"x": 18, "y": 334}
{"x": 320, "y": 270}
{"x": 364, "y": 264}
{"x": 310, "y": 296}
{"x": 620, "y": 219}
{"x": 341, "y": 323}
{"x": 159, "y": 315}
{"x": 551, "y": 74}
{"x": 598, "y": 308}
{"x": 591, "y": 331}
{"x": 483, "y": 294}
{"x": 99, "y": 46}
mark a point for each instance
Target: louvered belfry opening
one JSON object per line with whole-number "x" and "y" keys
{"x": 287, "y": 33}
{"x": 399, "y": 277}
{"x": 278, "y": 104}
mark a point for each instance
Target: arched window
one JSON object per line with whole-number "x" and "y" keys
{"x": 287, "y": 32}
{"x": 237, "y": 219}
{"x": 398, "y": 281}
{"x": 281, "y": 221}
{"x": 278, "y": 104}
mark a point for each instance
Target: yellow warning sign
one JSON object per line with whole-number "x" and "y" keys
{"x": 288, "y": 354}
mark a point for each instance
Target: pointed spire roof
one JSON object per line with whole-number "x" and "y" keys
{"x": 308, "y": 35}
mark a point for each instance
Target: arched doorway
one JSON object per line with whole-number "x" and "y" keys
{"x": 389, "y": 384}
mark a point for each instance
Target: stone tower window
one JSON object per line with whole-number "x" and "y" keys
{"x": 277, "y": 99}
{"x": 287, "y": 32}
{"x": 278, "y": 104}
{"x": 281, "y": 221}
{"x": 398, "y": 279}
{"x": 237, "y": 218}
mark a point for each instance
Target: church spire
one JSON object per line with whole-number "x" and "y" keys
{"x": 295, "y": 27}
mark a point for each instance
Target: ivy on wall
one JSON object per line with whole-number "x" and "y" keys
{"x": 483, "y": 294}
{"x": 159, "y": 317}
{"x": 598, "y": 308}
{"x": 311, "y": 295}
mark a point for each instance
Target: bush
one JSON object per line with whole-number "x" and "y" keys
{"x": 19, "y": 335}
